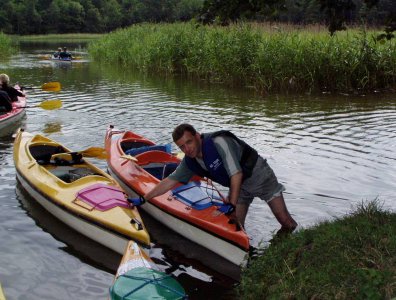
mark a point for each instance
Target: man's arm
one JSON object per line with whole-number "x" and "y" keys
{"x": 161, "y": 188}
{"x": 235, "y": 187}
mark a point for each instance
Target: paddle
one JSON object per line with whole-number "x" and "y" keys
{"x": 53, "y": 86}
{"x": 95, "y": 152}
{"x": 47, "y": 104}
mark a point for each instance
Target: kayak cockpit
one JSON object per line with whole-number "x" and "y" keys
{"x": 67, "y": 166}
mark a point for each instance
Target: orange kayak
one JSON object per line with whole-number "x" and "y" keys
{"x": 194, "y": 210}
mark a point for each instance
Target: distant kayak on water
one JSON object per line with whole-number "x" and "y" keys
{"x": 53, "y": 58}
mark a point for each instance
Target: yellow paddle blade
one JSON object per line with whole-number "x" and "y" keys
{"x": 129, "y": 157}
{"x": 50, "y": 104}
{"x": 95, "y": 152}
{"x": 54, "y": 86}
{"x": 44, "y": 56}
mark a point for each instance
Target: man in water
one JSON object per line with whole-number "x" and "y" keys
{"x": 226, "y": 159}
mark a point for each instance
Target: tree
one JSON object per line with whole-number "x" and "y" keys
{"x": 336, "y": 12}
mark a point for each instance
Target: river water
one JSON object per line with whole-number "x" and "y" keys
{"x": 331, "y": 153}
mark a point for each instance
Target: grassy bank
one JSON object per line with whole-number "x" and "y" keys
{"x": 265, "y": 58}
{"x": 350, "y": 258}
{"x": 68, "y": 37}
{"x": 6, "y": 47}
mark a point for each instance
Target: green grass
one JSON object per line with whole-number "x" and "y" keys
{"x": 349, "y": 258}
{"x": 6, "y": 46}
{"x": 265, "y": 58}
{"x": 58, "y": 37}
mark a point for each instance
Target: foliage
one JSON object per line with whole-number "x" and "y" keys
{"x": 350, "y": 258}
{"x": 336, "y": 13}
{"x": 268, "y": 59}
{"x": 89, "y": 16}
{"x": 6, "y": 47}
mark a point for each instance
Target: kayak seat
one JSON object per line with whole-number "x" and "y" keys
{"x": 138, "y": 150}
{"x": 42, "y": 153}
{"x": 160, "y": 170}
{"x": 158, "y": 163}
{"x": 70, "y": 174}
{"x": 67, "y": 159}
{"x": 128, "y": 144}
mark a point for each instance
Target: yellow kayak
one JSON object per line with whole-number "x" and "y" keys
{"x": 76, "y": 192}
{"x": 2, "y": 297}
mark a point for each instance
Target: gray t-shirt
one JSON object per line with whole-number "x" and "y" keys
{"x": 230, "y": 152}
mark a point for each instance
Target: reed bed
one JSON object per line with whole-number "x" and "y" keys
{"x": 268, "y": 58}
{"x": 6, "y": 47}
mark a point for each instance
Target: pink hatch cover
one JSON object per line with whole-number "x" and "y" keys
{"x": 103, "y": 197}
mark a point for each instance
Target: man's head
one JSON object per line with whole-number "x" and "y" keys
{"x": 188, "y": 140}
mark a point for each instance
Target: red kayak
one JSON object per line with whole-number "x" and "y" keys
{"x": 195, "y": 210}
{"x": 15, "y": 115}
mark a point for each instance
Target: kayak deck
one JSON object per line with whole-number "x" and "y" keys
{"x": 77, "y": 192}
{"x": 194, "y": 210}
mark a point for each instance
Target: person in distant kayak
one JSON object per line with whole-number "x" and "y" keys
{"x": 65, "y": 54}
{"x": 229, "y": 161}
{"x": 56, "y": 54}
{"x": 11, "y": 91}
{"x": 5, "y": 102}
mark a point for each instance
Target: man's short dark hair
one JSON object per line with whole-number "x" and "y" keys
{"x": 180, "y": 129}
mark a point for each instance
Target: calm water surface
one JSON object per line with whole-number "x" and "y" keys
{"x": 331, "y": 153}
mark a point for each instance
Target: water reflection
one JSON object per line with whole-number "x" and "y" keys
{"x": 52, "y": 127}
{"x": 331, "y": 152}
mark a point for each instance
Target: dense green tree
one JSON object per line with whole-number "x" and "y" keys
{"x": 71, "y": 18}
{"x": 61, "y": 16}
{"x": 336, "y": 13}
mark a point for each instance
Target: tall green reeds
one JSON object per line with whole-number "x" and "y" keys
{"x": 268, "y": 60}
{"x": 6, "y": 47}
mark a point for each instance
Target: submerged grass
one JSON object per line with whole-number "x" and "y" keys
{"x": 350, "y": 258}
{"x": 266, "y": 58}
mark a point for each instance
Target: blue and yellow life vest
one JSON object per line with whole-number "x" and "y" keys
{"x": 213, "y": 162}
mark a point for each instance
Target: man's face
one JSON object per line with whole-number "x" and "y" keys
{"x": 190, "y": 144}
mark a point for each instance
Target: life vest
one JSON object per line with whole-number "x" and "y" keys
{"x": 215, "y": 165}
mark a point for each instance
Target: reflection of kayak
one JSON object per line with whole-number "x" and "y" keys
{"x": 15, "y": 115}
{"x": 194, "y": 210}
{"x": 51, "y": 57}
{"x": 61, "y": 58}
{"x": 2, "y": 297}
{"x": 138, "y": 278}
{"x": 76, "y": 192}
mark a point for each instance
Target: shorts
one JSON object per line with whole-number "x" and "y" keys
{"x": 263, "y": 184}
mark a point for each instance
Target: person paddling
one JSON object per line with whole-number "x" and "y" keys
{"x": 11, "y": 91}
{"x": 65, "y": 54}
{"x": 229, "y": 161}
{"x": 5, "y": 102}
{"x": 56, "y": 54}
